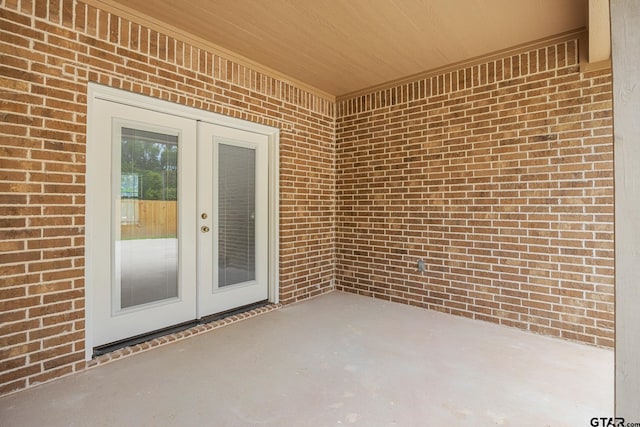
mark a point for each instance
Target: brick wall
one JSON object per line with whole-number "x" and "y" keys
{"x": 49, "y": 51}
{"x": 500, "y": 177}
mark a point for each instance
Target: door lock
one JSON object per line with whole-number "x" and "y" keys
{"x": 204, "y": 229}
{"x": 204, "y": 215}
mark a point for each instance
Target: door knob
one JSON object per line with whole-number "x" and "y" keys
{"x": 204, "y": 229}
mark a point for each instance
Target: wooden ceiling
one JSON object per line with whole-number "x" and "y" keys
{"x": 342, "y": 46}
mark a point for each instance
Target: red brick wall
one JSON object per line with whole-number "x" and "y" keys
{"x": 500, "y": 177}
{"x": 49, "y": 51}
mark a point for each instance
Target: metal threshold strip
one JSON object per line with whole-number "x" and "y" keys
{"x": 138, "y": 339}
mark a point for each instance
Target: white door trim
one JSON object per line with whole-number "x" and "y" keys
{"x": 96, "y": 91}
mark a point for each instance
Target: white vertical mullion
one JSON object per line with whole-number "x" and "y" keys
{"x": 115, "y": 231}
{"x": 215, "y": 217}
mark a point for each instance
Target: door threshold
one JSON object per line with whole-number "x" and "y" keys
{"x": 142, "y": 338}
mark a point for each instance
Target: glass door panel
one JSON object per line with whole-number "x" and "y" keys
{"x": 147, "y": 248}
{"x": 236, "y": 215}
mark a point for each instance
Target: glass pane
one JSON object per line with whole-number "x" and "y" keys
{"x": 147, "y": 252}
{"x": 236, "y": 215}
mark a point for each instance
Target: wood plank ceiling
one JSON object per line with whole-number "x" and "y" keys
{"x": 342, "y": 46}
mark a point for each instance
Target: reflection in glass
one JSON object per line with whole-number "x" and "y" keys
{"x": 236, "y": 215}
{"x": 147, "y": 252}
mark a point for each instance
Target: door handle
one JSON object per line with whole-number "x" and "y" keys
{"x": 204, "y": 229}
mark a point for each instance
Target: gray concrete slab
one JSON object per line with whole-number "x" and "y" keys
{"x": 338, "y": 359}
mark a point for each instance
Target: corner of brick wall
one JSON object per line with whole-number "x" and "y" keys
{"x": 500, "y": 177}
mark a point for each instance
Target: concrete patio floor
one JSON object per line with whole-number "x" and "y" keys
{"x": 338, "y": 359}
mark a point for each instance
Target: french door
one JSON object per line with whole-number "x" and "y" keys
{"x": 232, "y": 200}
{"x": 177, "y": 220}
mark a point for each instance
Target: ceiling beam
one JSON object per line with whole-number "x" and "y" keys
{"x": 599, "y": 27}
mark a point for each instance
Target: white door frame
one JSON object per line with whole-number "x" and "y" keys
{"x": 96, "y": 91}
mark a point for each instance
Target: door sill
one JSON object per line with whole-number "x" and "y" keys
{"x": 139, "y": 339}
